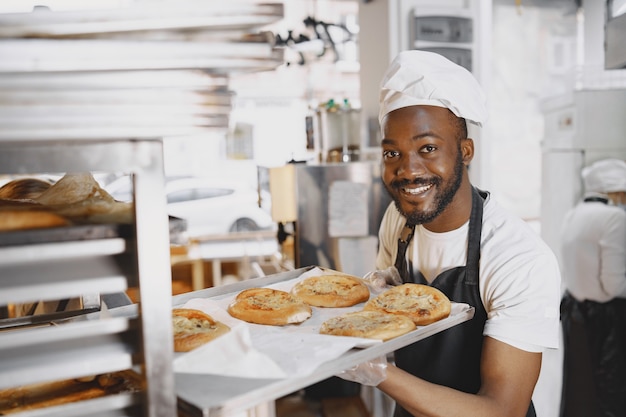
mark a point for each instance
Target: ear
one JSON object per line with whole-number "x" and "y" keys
{"x": 467, "y": 148}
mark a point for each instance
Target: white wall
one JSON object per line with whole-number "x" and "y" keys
{"x": 533, "y": 53}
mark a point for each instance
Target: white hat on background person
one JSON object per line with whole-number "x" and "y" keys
{"x": 605, "y": 176}
{"x": 426, "y": 78}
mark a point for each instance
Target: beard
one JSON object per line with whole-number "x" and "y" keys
{"x": 443, "y": 197}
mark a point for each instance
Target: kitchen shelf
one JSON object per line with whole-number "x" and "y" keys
{"x": 56, "y": 270}
{"x": 12, "y": 255}
{"x": 97, "y": 91}
{"x": 74, "y": 330}
{"x": 117, "y": 405}
{"x": 57, "y": 280}
{"x": 136, "y": 20}
{"x": 52, "y": 361}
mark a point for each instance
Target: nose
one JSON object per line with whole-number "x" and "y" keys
{"x": 410, "y": 166}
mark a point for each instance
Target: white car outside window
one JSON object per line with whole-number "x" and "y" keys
{"x": 208, "y": 206}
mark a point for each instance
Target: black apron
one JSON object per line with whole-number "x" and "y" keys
{"x": 452, "y": 357}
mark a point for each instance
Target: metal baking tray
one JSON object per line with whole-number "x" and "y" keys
{"x": 72, "y": 397}
{"x": 80, "y": 233}
{"x": 215, "y": 395}
{"x": 155, "y": 19}
{"x": 64, "y": 234}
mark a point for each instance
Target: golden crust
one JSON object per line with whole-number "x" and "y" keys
{"x": 194, "y": 328}
{"x": 95, "y": 210}
{"x": 23, "y": 189}
{"x": 421, "y": 303}
{"x": 269, "y": 306}
{"x": 18, "y": 219}
{"x": 75, "y": 197}
{"x": 55, "y": 393}
{"x": 331, "y": 291}
{"x": 368, "y": 324}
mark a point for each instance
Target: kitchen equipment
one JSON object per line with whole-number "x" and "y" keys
{"x": 336, "y": 209}
{"x": 97, "y": 91}
{"x": 339, "y": 130}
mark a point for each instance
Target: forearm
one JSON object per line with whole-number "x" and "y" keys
{"x": 424, "y": 399}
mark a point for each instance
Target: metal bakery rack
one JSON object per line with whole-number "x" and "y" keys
{"x": 97, "y": 91}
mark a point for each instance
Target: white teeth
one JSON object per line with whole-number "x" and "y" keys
{"x": 417, "y": 190}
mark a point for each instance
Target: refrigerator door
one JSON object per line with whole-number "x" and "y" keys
{"x": 580, "y": 128}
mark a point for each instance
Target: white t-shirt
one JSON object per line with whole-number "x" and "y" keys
{"x": 593, "y": 252}
{"x": 519, "y": 278}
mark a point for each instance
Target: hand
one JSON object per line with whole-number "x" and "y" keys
{"x": 381, "y": 278}
{"x": 367, "y": 373}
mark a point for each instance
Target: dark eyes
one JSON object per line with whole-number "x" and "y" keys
{"x": 390, "y": 154}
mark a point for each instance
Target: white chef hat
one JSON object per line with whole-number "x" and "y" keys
{"x": 426, "y": 78}
{"x": 605, "y": 176}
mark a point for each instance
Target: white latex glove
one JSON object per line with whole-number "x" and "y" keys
{"x": 367, "y": 373}
{"x": 382, "y": 278}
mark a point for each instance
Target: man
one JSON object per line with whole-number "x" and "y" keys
{"x": 593, "y": 258}
{"x": 462, "y": 242}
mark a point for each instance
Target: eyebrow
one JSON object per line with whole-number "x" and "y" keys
{"x": 429, "y": 134}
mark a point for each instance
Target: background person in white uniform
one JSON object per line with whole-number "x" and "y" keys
{"x": 593, "y": 312}
{"x": 463, "y": 243}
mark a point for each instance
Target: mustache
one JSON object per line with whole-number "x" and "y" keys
{"x": 401, "y": 183}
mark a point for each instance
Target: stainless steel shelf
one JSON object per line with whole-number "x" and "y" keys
{"x": 97, "y": 91}
{"x": 64, "y": 359}
{"x": 137, "y": 20}
{"x": 73, "y": 268}
{"x": 15, "y": 339}
{"x": 43, "y": 252}
{"x": 55, "y": 280}
{"x": 145, "y": 71}
{"x": 51, "y": 55}
{"x": 117, "y": 405}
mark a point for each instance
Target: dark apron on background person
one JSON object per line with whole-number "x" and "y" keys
{"x": 452, "y": 357}
{"x": 594, "y": 359}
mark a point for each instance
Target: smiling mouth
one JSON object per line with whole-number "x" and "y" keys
{"x": 416, "y": 190}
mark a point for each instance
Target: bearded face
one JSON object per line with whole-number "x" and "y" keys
{"x": 444, "y": 191}
{"x": 425, "y": 152}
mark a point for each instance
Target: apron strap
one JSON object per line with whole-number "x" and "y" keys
{"x": 403, "y": 243}
{"x": 474, "y": 236}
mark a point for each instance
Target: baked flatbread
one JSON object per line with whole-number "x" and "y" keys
{"x": 331, "y": 290}
{"x": 41, "y": 395}
{"x": 368, "y": 324}
{"x": 421, "y": 303}
{"x": 80, "y": 198}
{"x": 95, "y": 210}
{"x": 193, "y": 328}
{"x": 23, "y": 189}
{"x": 73, "y": 188}
{"x": 269, "y": 306}
{"x": 19, "y": 219}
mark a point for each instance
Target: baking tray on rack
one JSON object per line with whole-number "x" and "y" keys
{"x": 80, "y": 232}
{"x": 64, "y": 234}
{"x": 217, "y": 395}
